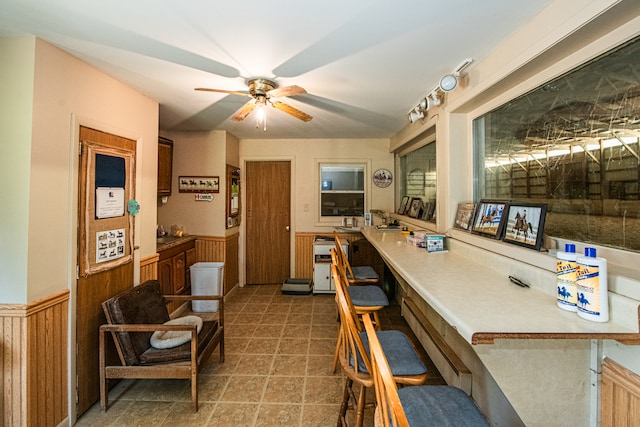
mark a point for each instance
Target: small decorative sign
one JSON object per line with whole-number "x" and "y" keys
{"x": 199, "y": 184}
{"x": 382, "y": 178}
{"x": 204, "y": 197}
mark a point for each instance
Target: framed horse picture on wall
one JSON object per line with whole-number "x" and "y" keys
{"x": 524, "y": 225}
{"x": 489, "y": 218}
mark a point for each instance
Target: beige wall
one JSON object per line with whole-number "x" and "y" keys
{"x": 16, "y": 105}
{"x": 305, "y": 156}
{"x": 196, "y": 154}
{"x": 58, "y": 93}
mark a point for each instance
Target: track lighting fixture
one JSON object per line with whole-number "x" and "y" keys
{"x": 447, "y": 83}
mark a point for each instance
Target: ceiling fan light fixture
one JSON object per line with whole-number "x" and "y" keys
{"x": 261, "y": 113}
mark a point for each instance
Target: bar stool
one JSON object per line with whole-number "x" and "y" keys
{"x": 415, "y": 406}
{"x": 363, "y": 299}
{"x": 360, "y": 274}
{"x": 353, "y": 351}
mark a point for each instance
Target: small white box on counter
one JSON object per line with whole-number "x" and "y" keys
{"x": 434, "y": 242}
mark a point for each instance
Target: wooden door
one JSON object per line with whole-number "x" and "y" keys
{"x": 100, "y": 284}
{"x": 268, "y": 239}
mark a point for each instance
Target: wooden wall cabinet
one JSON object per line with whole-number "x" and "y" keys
{"x": 165, "y": 166}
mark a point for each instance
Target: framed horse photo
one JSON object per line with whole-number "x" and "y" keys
{"x": 524, "y": 225}
{"x": 489, "y": 218}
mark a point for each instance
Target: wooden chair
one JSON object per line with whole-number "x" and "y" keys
{"x": 362, "y": 274}
{"x": 353, "y": 356}
{"x": 133, "y": 316}
{"x": 415, "y": 406}
{"x": 361, "y": 299}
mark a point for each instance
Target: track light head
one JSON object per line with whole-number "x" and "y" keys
{"x": 415, "y": 115}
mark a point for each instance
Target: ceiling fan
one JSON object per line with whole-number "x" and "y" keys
{"x": 263, "y": 91}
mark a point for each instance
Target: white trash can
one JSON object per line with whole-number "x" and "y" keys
{"x": 206, "y": 279}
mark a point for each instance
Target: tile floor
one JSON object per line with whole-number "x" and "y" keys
{"x": 277, "y": 370}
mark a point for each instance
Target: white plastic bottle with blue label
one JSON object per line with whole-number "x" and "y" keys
{"x": 591, "y": 285}
{"x": 567, "y": 297}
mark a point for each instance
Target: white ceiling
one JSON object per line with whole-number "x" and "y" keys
{"x": 364, "y": 63}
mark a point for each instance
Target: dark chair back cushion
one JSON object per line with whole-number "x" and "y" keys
{"x": 140, "y": 304}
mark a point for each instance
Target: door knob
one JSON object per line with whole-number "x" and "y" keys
{"x": 287, "y": 228}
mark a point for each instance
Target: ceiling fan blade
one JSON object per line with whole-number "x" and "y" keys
{"x": 232, "y": 92}
{"x": 244, "y": 111}
{"x": 292, "y": 111}
{"x": 287, "y": 91}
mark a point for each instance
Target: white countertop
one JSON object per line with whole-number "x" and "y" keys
{"x": 481, "y": 302}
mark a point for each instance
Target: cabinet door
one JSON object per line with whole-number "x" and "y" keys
{"x": 179, "y": 273}
{"x": 322, "y": 281}
{"x": 165, "y": 160}
{"x": 165, "y": 276}
{"x": 190, "y": 260}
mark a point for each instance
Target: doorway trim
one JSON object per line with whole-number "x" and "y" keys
{"x": 243, "y": 207}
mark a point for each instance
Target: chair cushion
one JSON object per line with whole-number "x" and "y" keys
{"x": 170, "y": 339}
{"x": 182, "y": 352}
{"x": 440, "y": 406}
{"x": 402, "y": 357}
{"x": 364, "y": 272}
{"x": 141, "y": 304}
{"x": 367, "y": 296}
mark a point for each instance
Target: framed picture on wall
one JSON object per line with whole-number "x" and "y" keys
{"x": 489, "y": 217}
{"x": 524, "y": 224}
{"x": 404, "y": 205}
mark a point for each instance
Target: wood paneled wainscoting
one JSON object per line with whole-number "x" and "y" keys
{"x": 34, "y": 374}
{"x": 620, "y": 396}
{"x": 149, "y": 268}
{"x": 221, "y": 249}
{"x": 304, "y": 250}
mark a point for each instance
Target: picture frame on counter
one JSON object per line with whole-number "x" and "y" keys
{"x": 415, "y": 208}
{"x": 524, "y": 224}
{"x": 404, "y": 205}
{"x": 489, "y": 218}
{"x": 464, "y": 215}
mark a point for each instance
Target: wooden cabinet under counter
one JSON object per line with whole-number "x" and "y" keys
{"x": 176, "y": 256}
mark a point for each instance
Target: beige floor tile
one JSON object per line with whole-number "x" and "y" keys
{"x": 284, "y": 390}
{"x": 211, "y": 387}
{"x": 244, "y": 388}
{"x": 144, "y": 413}
{"x": 268, "y": 331}
{"x": 289, "y": 364}
{"x": 271, "y": 415}
{"x": 296, "y": 331}
{"x": 320, "y": 415}
{"x": 262, "y": 345}
{"x": 234, "y": 414}
{"x": 321, "y": 366}
{"x": 323, "y": 390}
{"x": 293, "y": 346}
{"x": 326, "y": 346}
{"x": 181, "y": 414}
{"x": 272, "y": 318}
{"x": 255, "y": 364}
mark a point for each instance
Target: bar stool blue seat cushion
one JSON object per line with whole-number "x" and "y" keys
{"x": 440, "y": 406}
{"x": 364, "y": 272}
{"x": 367, "y": 296}
{"x": 402, "y": 357}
